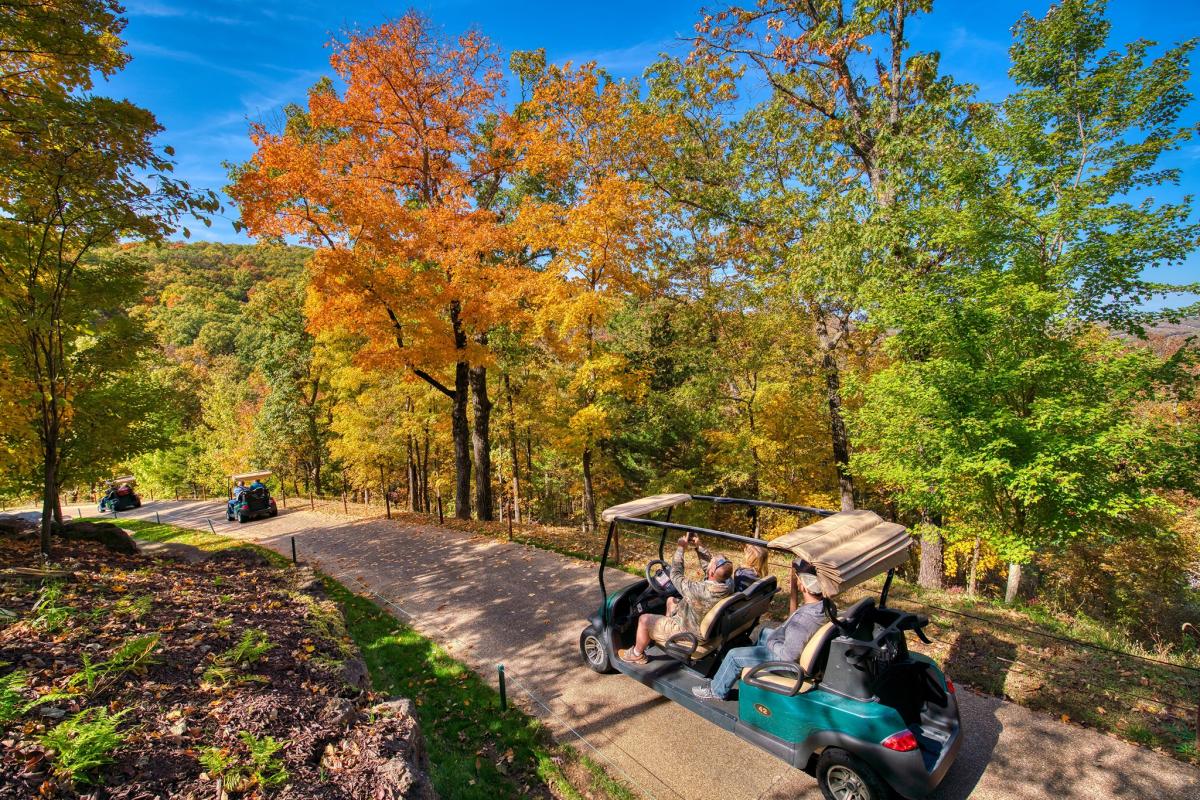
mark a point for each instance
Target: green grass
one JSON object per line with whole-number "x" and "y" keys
{"x": 476, "y": 752}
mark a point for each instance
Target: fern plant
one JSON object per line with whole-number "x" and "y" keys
{"x": 84, "y": 743}
{"x": 12, "y": 703}
{"x": 226, "y": 667}
{"x": 261, "y": 768}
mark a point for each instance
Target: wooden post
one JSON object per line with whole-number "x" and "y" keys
{"x": 1190, "y": 628}
{"x": 439, "y": 496}
{"x": 311, "y": 503}
{"x": 283, "y": 492}
{"x": 345, "y": 508}
{"x": 510, "y": 520}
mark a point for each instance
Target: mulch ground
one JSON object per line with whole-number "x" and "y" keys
{"x": 296, "y": 692}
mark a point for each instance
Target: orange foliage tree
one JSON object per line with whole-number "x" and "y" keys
{"x": 397, "y": 182}
{"x": 594, "y": 221}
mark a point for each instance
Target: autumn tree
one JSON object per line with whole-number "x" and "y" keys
{"x": 594, "y": 220}
{"x": 394, "y": 181}
{"x": 77, "y": 172}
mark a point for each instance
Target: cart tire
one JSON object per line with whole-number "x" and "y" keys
{"x": 241, "y": 517}
{"x": 594, "y": 651}
{"x": 137, "y": 503}
{"x": 273, "y": 512}
{"x": 843, "y": 776}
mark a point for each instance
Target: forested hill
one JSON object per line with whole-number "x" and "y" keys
{"x": 198, "y": 293}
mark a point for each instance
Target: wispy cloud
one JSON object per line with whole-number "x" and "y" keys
{"x": 154, "y": 8}
{"x": 630, "y": 60}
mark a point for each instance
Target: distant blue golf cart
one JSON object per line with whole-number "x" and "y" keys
{"x": 856, "y": 710}
{"x": 251, "y": 501}
{"x": 120, "y": 495}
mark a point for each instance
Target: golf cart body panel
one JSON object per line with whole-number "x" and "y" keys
{"x": 250, "y": 503}
{"x": 864, "y": 687}
{"x": 120, "y": 495}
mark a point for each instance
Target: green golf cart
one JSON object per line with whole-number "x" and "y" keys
{"x": 250, "y": 500}
{"x": 857, "y": 709}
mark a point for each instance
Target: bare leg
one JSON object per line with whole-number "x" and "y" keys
{"x": 643, "y": 633}
{"x": 672, "y": 602}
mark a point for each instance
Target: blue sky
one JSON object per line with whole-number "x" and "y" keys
{"x": 207, "y": 69}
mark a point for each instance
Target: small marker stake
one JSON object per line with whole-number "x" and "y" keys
{"x": 440, "y": 519}
{"x": 503, "y": 690}
{"x": 156, "y": 518}
{"x": 294, "y": 561}
{"x": 211, "y": 528}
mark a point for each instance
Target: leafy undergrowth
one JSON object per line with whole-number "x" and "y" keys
{"x": 107, "y": 678}
{"x": 1009, "y": 652}
{"x": 475, "y": 750}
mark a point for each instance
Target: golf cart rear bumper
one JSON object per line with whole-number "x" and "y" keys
{"x": 918, "y": 772}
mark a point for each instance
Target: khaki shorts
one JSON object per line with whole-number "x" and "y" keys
{"x": 664, "y": 628}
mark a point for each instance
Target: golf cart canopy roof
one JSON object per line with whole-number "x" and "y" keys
{"x": 122, "y": 479}
{"x": 845, "y": 548}
{"x": 249, "y": 476}
{"x": 644, "y": 505}
{"x": 848, "y": 548}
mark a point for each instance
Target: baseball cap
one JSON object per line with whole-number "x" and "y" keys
{"x": 808, "y": 576}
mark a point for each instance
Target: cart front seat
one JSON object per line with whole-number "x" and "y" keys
{"x": 726, "y": 620}
{"x": 812, "y": 661}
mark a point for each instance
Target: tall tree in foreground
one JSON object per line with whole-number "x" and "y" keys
{"x": 77, "y": 172}
{"x": 824, "y": 160}
{"x": 1008, "y": 401}
{"x": 595, "y": 222}
{"x": 394, "y": 181}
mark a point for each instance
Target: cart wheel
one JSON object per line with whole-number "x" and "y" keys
{"x": 274, "y": 511}
{"x": 137, "y": 503}
{"x": 594, "y": 651}
{"x": 843, "y": 776}
{"x": 241, "y": 517}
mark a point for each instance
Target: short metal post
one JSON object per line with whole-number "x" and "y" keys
{"x": 78, "y": 513}
{"x": 156, "y": 518}
{"x": 503, "y": 688}
{"x": 294, "y": 561}
{"x": 440, "y": 518}
{"x": 211, "y": 528}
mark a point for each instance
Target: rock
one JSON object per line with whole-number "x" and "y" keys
{"x": 52, "y": 712}
{"x": 14, "y": 526}
{"x": 307, "y": 583}
{"x": 383, "y": 759}
{"x": 355, "y": 674}
{"x": 107, "y": 534}
{"x": 242, "y": 556}
{"x": 339, "y": 712}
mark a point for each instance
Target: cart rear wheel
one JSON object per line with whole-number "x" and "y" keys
{"x": 842, "y": 776}
{"x": 242, "y": 516}
{"x": 594, "y": 651}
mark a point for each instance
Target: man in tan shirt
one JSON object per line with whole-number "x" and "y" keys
{"x": 698, "y": 598}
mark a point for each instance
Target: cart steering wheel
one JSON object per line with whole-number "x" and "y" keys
{"x": 653, "y": 568}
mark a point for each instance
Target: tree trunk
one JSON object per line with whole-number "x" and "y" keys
{"x": 410, "y": 473}
{"x": 837, "y": 422}
{"x": 589, "y": 499}
{"x": 513, "y": 453}
{"x": 933, "y": 546}
{"x": 425, "y": 474}
{"x": 972, "y": 579}
{"x": 1014, "y": 583}
{"x": 482, "y": 408}
{"x": 49, "y": 485}
{"x": 461, "y": 432}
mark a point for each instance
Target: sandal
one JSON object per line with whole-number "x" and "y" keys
{"x": 628, "y": 657}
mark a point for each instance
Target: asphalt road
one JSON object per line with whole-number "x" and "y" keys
{"x": 491, "y": 602}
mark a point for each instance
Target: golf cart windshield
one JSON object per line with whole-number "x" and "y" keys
{"x": 845, "y": 548}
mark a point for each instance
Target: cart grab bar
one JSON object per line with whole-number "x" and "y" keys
{"x": 778, "y": 669}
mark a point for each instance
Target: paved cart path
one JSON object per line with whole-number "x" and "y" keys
{"x": 492, "y": 602}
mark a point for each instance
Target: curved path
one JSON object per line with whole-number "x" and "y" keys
{"x": 491, "y": 602}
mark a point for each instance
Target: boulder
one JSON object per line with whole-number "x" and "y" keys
{"x": 12, "y": 526}
{"x": 246, "y": 557}
{"x": 113, "y": 538}
{"x": 384, "y": 758}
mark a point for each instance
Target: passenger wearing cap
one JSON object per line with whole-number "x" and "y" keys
{"x": 698, "y": 598}
{"x": 784, "y": 643}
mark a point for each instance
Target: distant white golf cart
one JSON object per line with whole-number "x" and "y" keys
{"x": 120, "y": 495}
{"x": 249, "y": 497}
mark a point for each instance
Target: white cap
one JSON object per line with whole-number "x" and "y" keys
{"x": 811, "y": 582}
